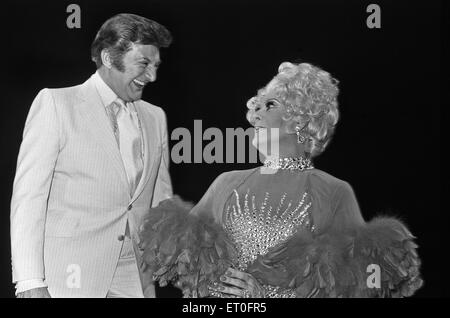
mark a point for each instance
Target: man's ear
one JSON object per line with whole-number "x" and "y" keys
{"x": 106, "y": 58}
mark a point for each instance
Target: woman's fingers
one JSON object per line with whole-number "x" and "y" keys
{"x": 238, "y": 284}
{"x": 251, "y": 285}
{"x": 234, "y": 273}
{"x": 249, "y": 281}
{"x": 230, "y": 290}
{"x": 234, "y": 282}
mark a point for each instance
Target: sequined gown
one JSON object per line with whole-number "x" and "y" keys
{"x": 300, "y": 233}
{"x": 266, "y": 210}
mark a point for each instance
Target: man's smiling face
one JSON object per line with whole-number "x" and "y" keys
{"x": 140, "y": 65}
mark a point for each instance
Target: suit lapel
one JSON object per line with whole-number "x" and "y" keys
{"x": 150, "y": 141}
{"x": 94, "y": 113}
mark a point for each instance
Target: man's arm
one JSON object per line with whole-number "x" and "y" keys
{"x": 162, "y": 191}
{"x": 32, "y": 288}
{"x": 163, "y": 185}
{"x": 35, "y": 167}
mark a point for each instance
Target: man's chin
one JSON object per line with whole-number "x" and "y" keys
{"x": 135, "y": 97}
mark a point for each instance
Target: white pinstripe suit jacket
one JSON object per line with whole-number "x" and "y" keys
{"x": 71, "y": 197}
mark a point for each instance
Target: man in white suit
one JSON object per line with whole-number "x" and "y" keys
{"x": 94, "y": 158}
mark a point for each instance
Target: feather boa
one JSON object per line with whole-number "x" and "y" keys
{"x": 341, "y": 264}
{"x": 194, "y": 251}
{"x": 188, "y": 250}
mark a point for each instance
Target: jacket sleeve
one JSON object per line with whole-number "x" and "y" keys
{"x": 163, "y": 185}
{"x": 35, "y": 167}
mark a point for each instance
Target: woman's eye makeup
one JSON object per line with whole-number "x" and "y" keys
{"x": 271, "y": 104}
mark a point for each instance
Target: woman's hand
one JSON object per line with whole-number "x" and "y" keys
{"x": 239, "y": 284}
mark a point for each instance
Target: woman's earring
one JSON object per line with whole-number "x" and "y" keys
{"x": 300, "y": 138}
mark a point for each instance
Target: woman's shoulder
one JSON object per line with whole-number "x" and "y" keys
{"x": 316, "y": 177}
{"x": 326, "y": 181}
{"x": 232, "y": 175}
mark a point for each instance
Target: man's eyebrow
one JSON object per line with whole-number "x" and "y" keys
{"x": 148, "y": 60}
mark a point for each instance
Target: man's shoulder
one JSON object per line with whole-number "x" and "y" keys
{"x": 60, "y": 98}
{"x": 62, "y": 93}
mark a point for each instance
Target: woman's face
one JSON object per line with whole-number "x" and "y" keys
{"x": 267, "y": 117}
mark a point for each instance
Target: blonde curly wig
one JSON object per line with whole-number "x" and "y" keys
{"x": 310, "y": 97}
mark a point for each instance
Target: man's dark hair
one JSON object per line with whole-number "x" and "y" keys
{"x": 119, "y": 32}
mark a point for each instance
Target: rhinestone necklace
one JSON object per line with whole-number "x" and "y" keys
{"x": 299, "y": 164}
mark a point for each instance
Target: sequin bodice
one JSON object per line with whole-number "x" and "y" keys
{"x": 255, "y": 229}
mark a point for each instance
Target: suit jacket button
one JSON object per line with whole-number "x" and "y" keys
{"x": 121, "y": 237}
{"x": 130, "y": 207}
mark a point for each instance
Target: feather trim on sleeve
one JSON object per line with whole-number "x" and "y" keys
{"x": 377, "y": 260}
{"x": 186, "y": 249}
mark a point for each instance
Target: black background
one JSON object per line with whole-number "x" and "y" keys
{"x": 388, "y": 142}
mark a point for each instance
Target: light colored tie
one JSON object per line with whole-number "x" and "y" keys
{"x": 128, "y": 135}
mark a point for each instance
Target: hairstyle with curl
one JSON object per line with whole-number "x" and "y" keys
{"x": 310, "y": 97}
{"x": 119, "y": 32}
